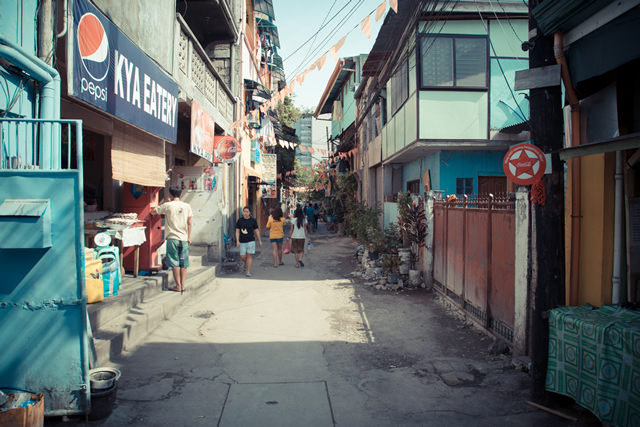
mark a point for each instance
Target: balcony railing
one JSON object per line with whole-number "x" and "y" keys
{"x": 38, "y": 144}
{"x": 194, "y": 63}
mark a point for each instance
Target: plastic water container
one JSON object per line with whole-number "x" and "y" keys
{"x": 308, "y": 246}
{"x": 110, "y": 257}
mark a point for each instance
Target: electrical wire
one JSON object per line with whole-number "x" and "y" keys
{"x": 506, "y": 35}
{"x": 314, "y": 37}
{"x": 335, "y": 29}
{"x": 501, "y": 69}
{"x": 319, "y": 29}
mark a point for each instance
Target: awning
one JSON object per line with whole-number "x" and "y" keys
{"x": 277, "y": 61}
{"x": 270, "y": 28}
{"x": 264, "y": 9}
{"x": 249, "y": 171}
{"x": 620, "y": 143}
{"x": 258, "y": 89}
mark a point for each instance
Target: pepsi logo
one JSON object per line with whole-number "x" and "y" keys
{"x": 93, "y": 45}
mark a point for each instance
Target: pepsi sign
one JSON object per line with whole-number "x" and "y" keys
{"x": 111, "y": 73}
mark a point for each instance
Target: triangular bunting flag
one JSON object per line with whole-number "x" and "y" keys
{"x": 321, "y": 61}
{"x": 311, "y": 150}
{"x": 365, "y": 25}
{"x": 380, "y": 10}
{"x": 336, "y": 47}
{"x": 393, "y": 4}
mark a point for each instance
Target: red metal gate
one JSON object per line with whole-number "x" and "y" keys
{"x": 473, "y": 257}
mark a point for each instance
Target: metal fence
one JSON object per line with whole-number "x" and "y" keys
{"x": 474, "y": 254}
{"x": 40, "y": 144}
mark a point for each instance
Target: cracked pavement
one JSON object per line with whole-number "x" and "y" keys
{"x": 312, "y": 346}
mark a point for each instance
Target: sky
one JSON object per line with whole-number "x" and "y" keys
{"x": 298, "y": 20}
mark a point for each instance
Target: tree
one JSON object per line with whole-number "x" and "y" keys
{"x": 288, "y": 113}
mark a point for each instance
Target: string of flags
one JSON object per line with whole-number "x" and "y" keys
{"x": 323, "y": 164}
{"x": 365, "y": 27}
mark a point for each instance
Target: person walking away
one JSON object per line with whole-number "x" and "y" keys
{"x": 309, "y": 212}
{"x": 177, "y": 227}
{"x": 247, "y": 232}
{"x": 316, "y": 214}
{"x": 275, "y": 225}
{"x": 299, "y": 232}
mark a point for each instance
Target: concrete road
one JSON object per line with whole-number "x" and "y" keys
{"x": 309, "y": 347}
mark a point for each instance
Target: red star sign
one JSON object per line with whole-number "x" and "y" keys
{"x": 524, "y": 164}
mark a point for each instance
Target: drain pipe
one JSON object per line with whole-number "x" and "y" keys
{"x": 49, "y": 95}
{"x": 617, "y": 290}
{"x": 574, "y": 268}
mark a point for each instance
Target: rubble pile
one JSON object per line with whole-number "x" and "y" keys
{"x": 370, "y": 270}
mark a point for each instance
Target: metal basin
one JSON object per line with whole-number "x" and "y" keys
{"x": 103, "y": 378}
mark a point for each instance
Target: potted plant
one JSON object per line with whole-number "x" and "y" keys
{"x": 414, "y": 228}
{"x": 404, "y": 211}
{"x": 391, "y": 264}
{"x": 376, "y": 242}
{"x": 392, "y": 239}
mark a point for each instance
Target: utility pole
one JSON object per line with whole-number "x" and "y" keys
{"x": 546, "y": 289}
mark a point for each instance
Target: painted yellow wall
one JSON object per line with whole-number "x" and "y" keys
{"x": 596, "y": 242}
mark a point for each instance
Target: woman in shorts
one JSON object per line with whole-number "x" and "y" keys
{"x": 275, "y": 225}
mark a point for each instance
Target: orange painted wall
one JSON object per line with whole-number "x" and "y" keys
{"x": 596, "y": 236}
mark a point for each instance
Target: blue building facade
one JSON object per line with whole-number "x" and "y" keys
{"x": 449, "y": 111}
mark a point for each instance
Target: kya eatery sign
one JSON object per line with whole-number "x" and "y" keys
{"x": 108, "y": 71}
{"x": 524, "y": 164}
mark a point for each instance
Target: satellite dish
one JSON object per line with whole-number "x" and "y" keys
{"x": 102, "y": 239}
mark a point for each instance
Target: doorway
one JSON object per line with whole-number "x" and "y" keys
{"x": 492, "y": 184}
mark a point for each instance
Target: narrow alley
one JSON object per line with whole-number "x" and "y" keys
{"x": 309, "y": 347}
{"x": 473, "y": 168}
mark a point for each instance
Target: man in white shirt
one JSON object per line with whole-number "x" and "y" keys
{"x": 177, "y": 230}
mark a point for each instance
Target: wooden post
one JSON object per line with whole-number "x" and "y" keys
{"x": 136, "y": 260}
{"x": 547, "y": 237}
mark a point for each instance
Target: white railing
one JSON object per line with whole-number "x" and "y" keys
{"x": 194, "y": 63}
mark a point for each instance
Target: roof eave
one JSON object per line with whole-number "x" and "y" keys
{"x": 327, "y": 89}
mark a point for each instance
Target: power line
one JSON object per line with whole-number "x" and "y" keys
{"x": 500, "y": 66}
{"x": 319, "y": 29}
{"x": 335, "y": 29}
{"x": 323, "y": 21}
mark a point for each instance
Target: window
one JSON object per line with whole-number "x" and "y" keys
{"x": 413, "y": 187}
{"x": 464, "y": 185}
{"x": 399, "y": 87}
{"x": 454, "y": 62}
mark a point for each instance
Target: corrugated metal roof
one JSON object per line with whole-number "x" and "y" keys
{"x": 554, "y": 15}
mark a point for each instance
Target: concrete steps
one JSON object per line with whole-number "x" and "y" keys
{"x": 119, "y": 322}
